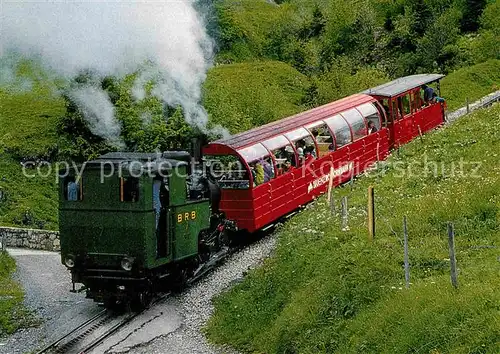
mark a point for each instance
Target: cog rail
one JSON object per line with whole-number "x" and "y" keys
{"x": 87, "y": 336}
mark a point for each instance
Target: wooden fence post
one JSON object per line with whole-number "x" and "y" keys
{"x": 331, "y": 201}
{"x": 453, "y": 260}
{"x": 330, "y": 184}
{"x": 407, "y": 260}
{"x": 371, "y": 213}
{"x": 420, "y": 133}
{"x": 467, "y": 104}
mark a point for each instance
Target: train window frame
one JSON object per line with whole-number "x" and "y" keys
{"x": 255, "y": 155}
{"x": 384, "y": 112}
{"x": 417, "y": 102}
{"x": 79, "y": 191}
{"x": 279, "y": 162}
{"x": 384, "y": 106}
{"x": 266, "y": 177}
{"x": 406, "y": 104}
{"x": 253, "y": 152}
{"x": 229, "y": 184}
{"x": 302, "y": 134}
{"x": 276, "y": 142}
{"x": 369, "y": 111}
{"x": 357, "y": 123}
{"x": 127, "y": 196}
{"x": 330, "y": 144}
{"x": 338, "y": 125}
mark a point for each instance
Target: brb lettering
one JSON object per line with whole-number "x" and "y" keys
{"x": 324, "y": 179}
{"x": 186, "y": 216}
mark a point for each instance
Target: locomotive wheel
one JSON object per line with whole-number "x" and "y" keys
{"x": 141, "y": 301}
{"x": 112, "y": 304}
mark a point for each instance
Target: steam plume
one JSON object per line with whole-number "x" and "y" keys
{"x": 115, "y": 38}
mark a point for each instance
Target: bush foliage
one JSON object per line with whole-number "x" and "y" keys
{"x": 398, "y": 37}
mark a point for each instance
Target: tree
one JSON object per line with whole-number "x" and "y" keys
{"x": 471, "y": 14}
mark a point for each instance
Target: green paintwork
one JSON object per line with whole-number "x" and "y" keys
{"x": 104, "y": 229}
{"x": 189, "y": 220}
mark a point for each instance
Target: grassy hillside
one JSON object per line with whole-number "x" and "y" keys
{"x": 326, "y": 290}
{"x": 238, "y": 96}
{"x": 273, "y": 60}
{"x": 28, "y": 132}
{"x": 242, "y": 96}
{"x": 471, "y": 82}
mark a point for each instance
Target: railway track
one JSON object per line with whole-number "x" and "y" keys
{"x": 90, "y": 334}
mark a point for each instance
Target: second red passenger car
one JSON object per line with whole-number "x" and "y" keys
{"x": 267, "y": 172}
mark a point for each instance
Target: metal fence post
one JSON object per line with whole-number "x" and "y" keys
{"x": 345, "y": 215}
{"x": 453, "y": 260}
{"x": 332, "y": 206}
{"x": 406, "y": 257}
{"x": 371, "y": 213}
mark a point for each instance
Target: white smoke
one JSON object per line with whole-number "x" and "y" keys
{"x": 115, "y": 38}
{"x": 97, "y": 108}
{"x": 9, "y": 77}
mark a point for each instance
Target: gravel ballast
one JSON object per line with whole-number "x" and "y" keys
{"x": 196, "y": 303}
{"x": 46, "y": 283}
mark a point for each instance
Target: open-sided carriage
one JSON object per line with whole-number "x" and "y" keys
{"x": 269, "y": 171}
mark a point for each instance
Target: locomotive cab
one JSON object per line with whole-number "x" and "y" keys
{"x": 125, "y": 220}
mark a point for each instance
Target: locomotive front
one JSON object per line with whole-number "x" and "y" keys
{"x": 118, "y": 227}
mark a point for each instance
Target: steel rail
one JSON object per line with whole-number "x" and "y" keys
{"x": 73, "y": 331}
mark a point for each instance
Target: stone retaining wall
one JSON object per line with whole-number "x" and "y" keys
{"x": 29, "y": 238}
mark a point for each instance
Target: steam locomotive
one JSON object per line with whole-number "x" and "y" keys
{"x": 132, "y": 224}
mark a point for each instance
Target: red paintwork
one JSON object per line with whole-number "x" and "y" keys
{"x": 259, "y": 206}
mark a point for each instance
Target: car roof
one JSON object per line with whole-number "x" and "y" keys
{"x": 403, "y": 84}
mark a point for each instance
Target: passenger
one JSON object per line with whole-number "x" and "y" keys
{"x": 437, "y": 99}
{"x": 400, "y": 108}
{"x": 331, "y": 147}
{"x": 311, "y": 149}
{"x": 287, "y": 166}
{"x": 157, "y": 200}
{"x": 428, "y": 94}
{"x": 73, "y": 188}
{"x": 371, "y": 127}
{"x": 268, "y": 170}
{"x": 301, "y": 144}
{"x": 308, "y": 158}
{"x": 259, "y": 173}
{"x": 289, "y": 155}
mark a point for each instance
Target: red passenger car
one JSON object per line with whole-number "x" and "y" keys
{"x": 267, "y": 172}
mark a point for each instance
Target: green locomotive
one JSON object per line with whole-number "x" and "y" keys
{"x": 131, "y": 222}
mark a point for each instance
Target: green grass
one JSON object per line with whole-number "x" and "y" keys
{"x": 12, "y": 313}
{"x": 471, "y": 82}
{"x": 28, "y": 131}
{"x": 28, "y": 122}
{"x": 329, "y": 291}
{"x": 27, "y": 202}
{"x": 242, "y": 96}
